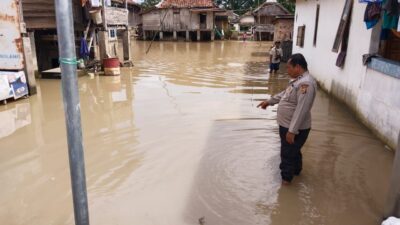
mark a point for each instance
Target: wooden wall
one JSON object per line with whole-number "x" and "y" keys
{"x": 175, "y": 20}
{"x": 194, "y": 21}
{"x": 151, "y": 20}
{"x": 210, "y": 20}
{"x": 283, "y": 30}
{"x": 40, "y": 14}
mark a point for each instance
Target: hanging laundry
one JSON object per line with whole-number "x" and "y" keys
{"x": 391, "y": 7}
{"x": 370, "y": 1}
{"x": 84, "y": 51}
{"x": 372, "y": 14}
{"x": 390, "y": 22}
{"x": 385, "y": 34}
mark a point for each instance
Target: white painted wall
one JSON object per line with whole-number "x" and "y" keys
{"x": 352, "y": 83}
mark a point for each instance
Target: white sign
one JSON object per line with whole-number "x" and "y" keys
{"x": 5, "y": 88}
{"x": 11, "y": 56}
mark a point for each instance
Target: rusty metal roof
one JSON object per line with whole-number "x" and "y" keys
{"x": 186, "y": 4}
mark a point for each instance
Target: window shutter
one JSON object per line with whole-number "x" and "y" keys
{"x": 300, "y": 35}
{"x": 342, "y": 25}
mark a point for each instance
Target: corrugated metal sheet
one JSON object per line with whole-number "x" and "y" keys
{"x": 11, "y": 53}
{"x": 186, "y": 4}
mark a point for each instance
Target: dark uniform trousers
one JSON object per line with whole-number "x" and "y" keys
{"x": 291, "y": 158}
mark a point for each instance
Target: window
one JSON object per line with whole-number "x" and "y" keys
{"x": 300, "y": 35}
{"x": 112, "y": 34}
{"x": 316, "y": 26}
{"x": 391, "y": 47}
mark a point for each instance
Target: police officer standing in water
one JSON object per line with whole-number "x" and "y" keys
{"x": 294, "y": 116}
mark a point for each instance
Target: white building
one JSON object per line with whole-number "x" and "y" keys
{"x": 372, "y": 91}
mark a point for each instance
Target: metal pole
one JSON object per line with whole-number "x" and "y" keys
{"x": 259, "y": 22}
{"x": 393, "y": 201}
{"x": 66, "y": 46}
{"x": 104, "y": 15}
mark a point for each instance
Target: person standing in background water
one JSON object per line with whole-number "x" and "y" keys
{"x": 275, "y": 55}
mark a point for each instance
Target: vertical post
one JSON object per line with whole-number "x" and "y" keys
{"x": 175, "y": 35}
{"x": 161, "y": 35}
{"x": 259, "y": 21}
{"x": 27, "y": 49}
{"x": 187, "y": 35}
{"x": 29, "y": 66}
{"x": 66, "y": 46}
{"x": 104, "y": 15}
{"x": 96, "y": 47}
{"x": 104, "y": 45}
{"x": 393, "y": 201}
{"x": 198, "y": 35}
{"x": 34, "y": 56}
{"x": 212, "y": 35}
{"x": 127, "y": 45}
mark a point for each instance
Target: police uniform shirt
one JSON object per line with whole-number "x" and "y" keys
{"x": 294, "y": 109}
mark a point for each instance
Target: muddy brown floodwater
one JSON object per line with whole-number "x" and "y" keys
{"x": 178, "y": 140}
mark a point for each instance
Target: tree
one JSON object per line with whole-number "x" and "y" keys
{"x": 242, "y": 6}
{"x": 239, "y": 6}
{"x": 288, "y": 4}
{"x": 146, "y": 4}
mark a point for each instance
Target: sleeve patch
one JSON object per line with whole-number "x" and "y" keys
{"x": 303, "y": 88}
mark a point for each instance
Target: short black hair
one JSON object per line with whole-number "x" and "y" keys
{"x": 277, "y": 42}
{"x": 298, "y": 59}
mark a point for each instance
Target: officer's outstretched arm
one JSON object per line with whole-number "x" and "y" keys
{"x": 276, "y": 98}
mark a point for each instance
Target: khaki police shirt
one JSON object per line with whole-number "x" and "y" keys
{"x": 294, "y": 110}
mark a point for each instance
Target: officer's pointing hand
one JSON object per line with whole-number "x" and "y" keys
{"x": 263, "y": 105}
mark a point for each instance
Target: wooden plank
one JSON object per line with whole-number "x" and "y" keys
{"x": 37, "y": 15}
{"x": 151, "y": 21}
{"x": 39, "y": 23}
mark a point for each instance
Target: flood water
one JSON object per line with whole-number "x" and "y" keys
{"x": 178, "y": 138}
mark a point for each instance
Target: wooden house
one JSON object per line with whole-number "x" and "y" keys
{"x": 264, "y": 16}
{"x": 88, "y": 16}
{"x": 188, "y": 19}
{"x": 40, "y": 19}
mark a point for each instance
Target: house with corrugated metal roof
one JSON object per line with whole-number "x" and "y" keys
{"x": 181, "y": 19}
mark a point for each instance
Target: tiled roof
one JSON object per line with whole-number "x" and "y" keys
{"x": 186, "y": 4}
